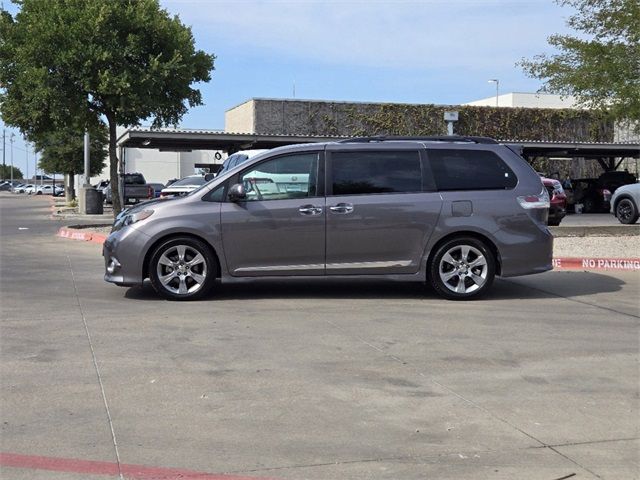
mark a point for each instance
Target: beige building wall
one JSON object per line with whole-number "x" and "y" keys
{"x": 240, "y": 119}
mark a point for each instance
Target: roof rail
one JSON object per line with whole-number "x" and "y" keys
{"x": 432, "y": 138}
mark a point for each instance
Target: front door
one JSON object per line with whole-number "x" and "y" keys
{"x": 280, "y": 228}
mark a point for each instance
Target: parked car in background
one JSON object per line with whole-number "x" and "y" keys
{"x": 20, "y": 188}
{"x": 30, "y": 189}
{"x": 50, "y": 190}
{"x": 625, "y": 203}
{"x": 558, "y": 201}
{"x": 238, "y": 158}
{"x": 590, "y": 194}
{"x": 7, "y": 186}
{"x": 135, "y": 189}
{"x": 616, "y": 179}
{"x": 157, "y": 188}
{"x": 186, "y": 185}
{"x": 450, "y": 211}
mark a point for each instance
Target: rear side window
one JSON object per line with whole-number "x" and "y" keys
{"x": 470, "y": 170}
{"x": 358, "y": 173}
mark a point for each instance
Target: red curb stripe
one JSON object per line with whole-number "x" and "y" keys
{"x": 92, "y": 467}
{"x": 92, "y": 237}
{"x": 581, "y": 263}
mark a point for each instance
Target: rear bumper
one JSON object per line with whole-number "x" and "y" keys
{"x": 525, "y": 251}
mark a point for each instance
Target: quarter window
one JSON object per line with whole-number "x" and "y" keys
{"x": 470, "y": 170}
{"x": 358, "y": 173}
{"x": 282, "y": 178}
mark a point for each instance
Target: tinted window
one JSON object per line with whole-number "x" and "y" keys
{"x": 470, "y": 170}
{"x": 290, "y": 176}
{"x": 357, "y": 173}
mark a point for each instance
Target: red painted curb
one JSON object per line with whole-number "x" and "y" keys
{"x": 92, "y": 467}
{"x": 88, "y": 236}
{"x": 580, "y": 263}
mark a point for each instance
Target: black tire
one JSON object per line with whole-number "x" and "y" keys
{"x": 182, "y": 277}
{"x": 626, "y": 211}
{"x": 553, "y": 223}
{"x": 462, "y": 269}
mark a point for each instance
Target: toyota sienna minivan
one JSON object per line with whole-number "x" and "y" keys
{"x": 450, "y": 211}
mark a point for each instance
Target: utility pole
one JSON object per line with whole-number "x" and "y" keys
{"x": 11, "y": 141}
{"x": 4, "y": 163}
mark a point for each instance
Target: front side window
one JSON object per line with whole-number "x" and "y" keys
{"x": 359, "y": 173}
{"x": 470, "y": 170}
{"x": 282, "y": 178}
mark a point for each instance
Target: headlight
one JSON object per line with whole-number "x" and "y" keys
{"x": 130, "y": 219}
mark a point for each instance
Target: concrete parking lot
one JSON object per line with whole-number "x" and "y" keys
{"x": 321, "y": 380}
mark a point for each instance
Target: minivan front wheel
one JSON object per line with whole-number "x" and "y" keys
{"x": 182, "y": 269}
{"x": 462, "y": 268}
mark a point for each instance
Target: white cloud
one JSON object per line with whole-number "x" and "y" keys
{"x": 410, "y": 34}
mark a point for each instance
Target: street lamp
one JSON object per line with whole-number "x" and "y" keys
{"x": 497, "y": 82}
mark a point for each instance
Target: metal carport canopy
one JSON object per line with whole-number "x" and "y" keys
{"x": 168, "y": 139}
{"x": 577, "y": 149}
{"x": 186, "y": 140}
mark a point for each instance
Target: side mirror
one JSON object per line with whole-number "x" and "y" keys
{"x": 209, "y": 176}
{"x": 237, "y": 193}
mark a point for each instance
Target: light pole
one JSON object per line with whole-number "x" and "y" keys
{"x": 497, "y": 82}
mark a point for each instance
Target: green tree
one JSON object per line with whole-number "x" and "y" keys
{"x": 5, "y": 172}
{"x": 600, "y": 65}
{"x": 63, "y": 152}
{"x": 95, "y": 61}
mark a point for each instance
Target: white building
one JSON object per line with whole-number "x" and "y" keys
{"x": 525, "y": 100}
{"x": 159, "y": 166}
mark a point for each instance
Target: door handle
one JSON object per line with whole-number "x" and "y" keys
{"x": 342, "y": 208}
{"x": 310, "y": 210}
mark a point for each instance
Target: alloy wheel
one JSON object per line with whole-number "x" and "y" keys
{"x": 463, "y": 269}
{"x": 181, "y": 269}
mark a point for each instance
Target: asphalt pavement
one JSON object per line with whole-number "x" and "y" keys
{"x": 317, "y": 380}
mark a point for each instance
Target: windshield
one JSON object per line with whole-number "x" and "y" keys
{"x": 197, "y": 180}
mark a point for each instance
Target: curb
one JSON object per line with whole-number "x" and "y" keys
{"x": 581, "y": 263}
{"x": 596, "y": 231}
{"x": 75, "y": 234}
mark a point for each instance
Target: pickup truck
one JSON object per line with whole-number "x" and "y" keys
{"x": 135, "y": 187}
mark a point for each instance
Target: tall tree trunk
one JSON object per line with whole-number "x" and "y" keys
{"x": 69, "y": 188}
{"x": 113, "y": 166}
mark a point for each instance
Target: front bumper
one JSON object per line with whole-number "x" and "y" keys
{"x": 123, "y": 253}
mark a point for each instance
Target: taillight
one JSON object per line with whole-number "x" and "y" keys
{"x": 151, "y": 192}
{"x": 540, "y": 200}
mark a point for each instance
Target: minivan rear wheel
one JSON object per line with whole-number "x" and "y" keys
{"x": 462, "y": 268}
{"x": 182, "y": 269}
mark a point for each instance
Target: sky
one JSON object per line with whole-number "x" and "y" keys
{"x": 408, "y": 51}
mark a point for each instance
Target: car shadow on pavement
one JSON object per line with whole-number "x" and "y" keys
{"x": 556, "y": 284}
{"x": 548, "y": 285}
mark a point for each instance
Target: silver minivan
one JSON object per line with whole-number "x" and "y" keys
{"x": 451, "y": 211}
